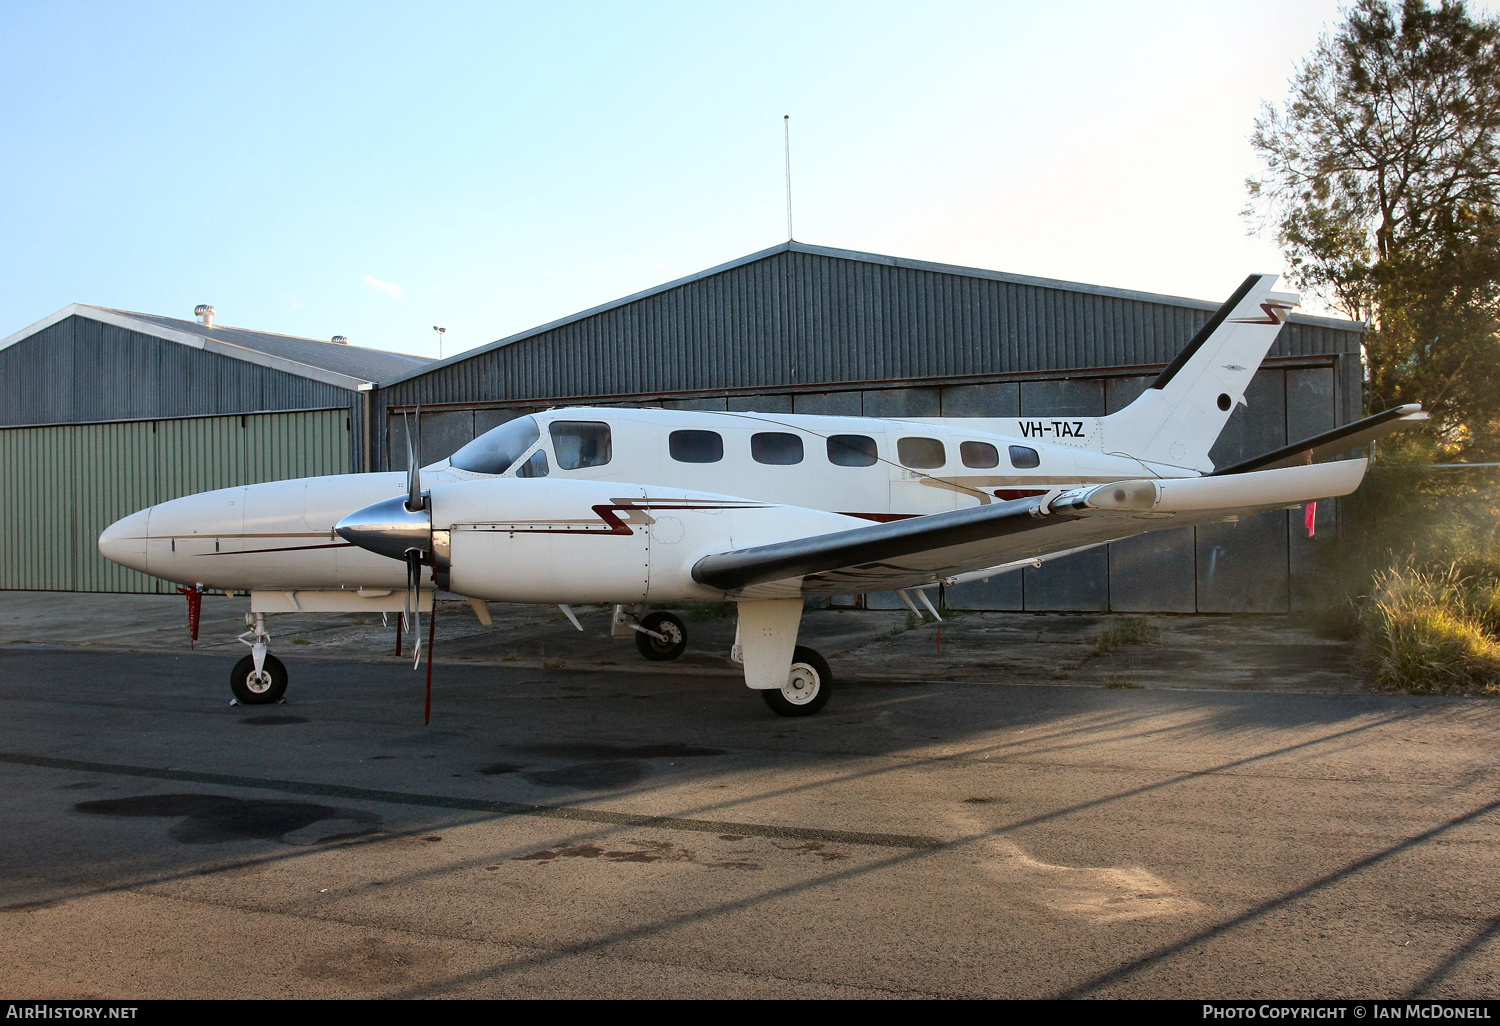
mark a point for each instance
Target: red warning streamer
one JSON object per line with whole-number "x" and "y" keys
{"x": 195, "y": 612}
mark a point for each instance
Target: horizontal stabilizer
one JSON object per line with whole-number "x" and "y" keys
{"x": 1331, "y": 443}
{"x": 940, "y": 547}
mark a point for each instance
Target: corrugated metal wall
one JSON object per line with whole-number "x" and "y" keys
{"x": 80, "y": 478}
{"x": 799, "y": 317}
{"x": 81, "y": 371}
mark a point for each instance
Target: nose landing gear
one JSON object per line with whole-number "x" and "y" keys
{"x": 259, "y": 678}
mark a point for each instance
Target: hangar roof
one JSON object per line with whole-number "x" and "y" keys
{"x": 803, "y": 316}
{"x": 344, "y": 366}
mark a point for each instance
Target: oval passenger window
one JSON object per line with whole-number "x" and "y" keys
{"x": 1023, "y": 457}
{"x": 921, "y": 453}
{"x": 979, "y": 455}
{"x": 778, "y": 448}
{"x": 579, "y": 444}
{"x": 696, "y": 446}
{"x": 851, "y": 450}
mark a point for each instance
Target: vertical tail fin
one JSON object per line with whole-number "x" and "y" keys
{"x": 1179, "y": 417}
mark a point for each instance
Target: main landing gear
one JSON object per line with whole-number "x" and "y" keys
{"x": 792, "y": 679}
{"x": 259, "y": 678}
{"x": 662, "y": 636}
{"x": 807, "y": 687}
{"x": 659, "y": 636}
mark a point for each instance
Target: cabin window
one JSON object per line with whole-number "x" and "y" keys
{"x": 921, "y": 453}
{"x": 979, "y": 455}
{"x": 1023, "y": 457}
{"x": 534, "y": 467}
{"x": 696, "y": 446}
{"x": 494, "y": 451}
{"x": 778, "y": 448}
{"x": 851, "y": 450}
{"x": 580, "y": 444}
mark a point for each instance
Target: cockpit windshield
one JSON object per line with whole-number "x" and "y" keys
{"x": 494, "y": 451}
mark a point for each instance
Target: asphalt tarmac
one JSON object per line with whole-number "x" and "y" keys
{"x": 624, "y": 832}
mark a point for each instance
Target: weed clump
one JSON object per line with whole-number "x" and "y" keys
{"x": 1413, "y": 579}
{"x": 1133, "y": 630}
{"x": 1431, "y": 632}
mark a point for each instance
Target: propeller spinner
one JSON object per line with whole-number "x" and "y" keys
{"x": 400, "y": 528}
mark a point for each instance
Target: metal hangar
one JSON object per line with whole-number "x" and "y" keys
{"x": 808, "y": 329}
{"x": 103, "y": 412}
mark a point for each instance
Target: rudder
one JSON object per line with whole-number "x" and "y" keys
{"x": 1180, "y": 415}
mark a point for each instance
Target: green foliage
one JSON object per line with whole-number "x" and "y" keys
{"x": 1132, "y": 630}
{"x": 1432, "y": 632}
{"x": 1415, "y": 577}
{"x": 1382, "y": 182}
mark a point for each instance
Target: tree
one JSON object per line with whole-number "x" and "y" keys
{"x": 1382, "y": 181}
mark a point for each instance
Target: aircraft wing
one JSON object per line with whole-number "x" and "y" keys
{"x": 942, "y": 546}
{"x": 1331, "y": 443}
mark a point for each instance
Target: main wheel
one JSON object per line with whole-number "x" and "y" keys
{"x": 668, "y": 626}
{"x": 268, "y": 687}
{"x": 807, "y": 687}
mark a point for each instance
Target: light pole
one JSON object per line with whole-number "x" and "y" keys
{"x": 441, "y": 332}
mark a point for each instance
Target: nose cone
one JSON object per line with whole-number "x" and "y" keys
{"x": 388, "y": 528}
{"x": 124, "y": 541}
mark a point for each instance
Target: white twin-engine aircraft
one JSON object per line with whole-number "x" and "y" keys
{"x": 631, "y": 507}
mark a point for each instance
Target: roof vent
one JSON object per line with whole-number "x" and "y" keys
{"x": 340, "y": 340}
{"x": 205, "y": 314}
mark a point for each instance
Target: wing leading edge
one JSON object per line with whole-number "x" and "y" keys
{"x": 942, "y": 546}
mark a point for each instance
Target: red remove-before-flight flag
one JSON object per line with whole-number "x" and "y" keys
{"x": 1310, "y": 518}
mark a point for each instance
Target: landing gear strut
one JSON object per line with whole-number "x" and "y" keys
{"x": 259, "y": 678}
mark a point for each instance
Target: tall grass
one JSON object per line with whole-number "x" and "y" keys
{"x": 1431, "y": 632}
{"x": 1414, "y": 577}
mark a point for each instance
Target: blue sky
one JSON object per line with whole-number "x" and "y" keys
{"x": 375, "y": 169}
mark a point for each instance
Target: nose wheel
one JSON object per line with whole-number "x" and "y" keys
{"x": 258, "y": 687}
{"x": 259, "y": 678}
{"x": 807, "y": 687}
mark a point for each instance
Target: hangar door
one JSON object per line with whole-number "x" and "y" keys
{"x": 68, "y": 482}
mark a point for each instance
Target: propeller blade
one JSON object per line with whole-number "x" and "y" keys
{"x": 414, "y": 599}
{"x": 413, "y": 471}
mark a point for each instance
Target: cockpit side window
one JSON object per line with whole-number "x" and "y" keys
{"x": 579, "y": 444}
{"x": 1024, "y": 457}
{"x": 494, "y": 451}
{"x": 536, "y": 466}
